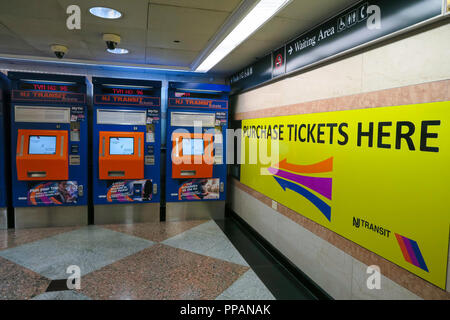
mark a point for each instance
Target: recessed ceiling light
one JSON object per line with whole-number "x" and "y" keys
{"x": 105, "y": 13}
{"x": 117, "y": 51}
{"x": 260, "y": 14}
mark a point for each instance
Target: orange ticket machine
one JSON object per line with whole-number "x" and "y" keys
{"x": 126, "y": 140}
{"x": 42, "y": 155}
{"x": 121, "y": 155}
{"x": 196, "y": 170}
{"x": 192, "y": 155}
{"x": 49, "y": 142}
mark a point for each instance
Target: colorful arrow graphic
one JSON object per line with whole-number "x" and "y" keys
{"x": 320, "y": 204}
{"x": 298, "y": 183}
{"x": 411, "y": 252}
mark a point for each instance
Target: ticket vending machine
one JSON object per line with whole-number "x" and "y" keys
{"x": 3, "y": 154}
{"x": 49, "y": 136}
{"x": 196, "y": 172}
{"x": 126, "y": 150}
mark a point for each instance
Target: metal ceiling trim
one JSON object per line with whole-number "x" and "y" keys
{"x": 76, "y": 62}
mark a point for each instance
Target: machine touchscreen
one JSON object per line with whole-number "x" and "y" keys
{"x": 42, "y": 145}
{"x": 121, "y": 146}
{"x": 193, "y": 147}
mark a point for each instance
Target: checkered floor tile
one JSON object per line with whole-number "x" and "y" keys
{"x": 168, "y": 260}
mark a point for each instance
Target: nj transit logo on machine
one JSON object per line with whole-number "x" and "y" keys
{"x": 290, "y": 176}
{"x": 198, "y": 103}
{"x": 46, "y": 96}
{"x": 127, "y": 100}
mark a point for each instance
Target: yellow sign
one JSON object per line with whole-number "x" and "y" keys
{"x": 379, "y": 177}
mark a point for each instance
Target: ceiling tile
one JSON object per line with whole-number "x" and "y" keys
{"x": 161, "y": 56}
{"x": 11, "y": 44}
{"x": 314, "y": 11}
{"x": 217, "y": 5}
{"x": 40, "y": 32}
{"x": 49, "y": 9}
{"x": 280, "y": 29}
{"x": 188, "y": 41}
{"x": 177, "y": 19}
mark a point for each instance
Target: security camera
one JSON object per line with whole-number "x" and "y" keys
{"x": 112, "y": 40}
{"x": 59, "y": 50}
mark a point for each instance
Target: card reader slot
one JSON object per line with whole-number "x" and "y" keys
{"x": 188, "y": 173}
{"x": 116, "y": 173}
{"x": 36, "y": 174}
{"x": 103, "y": 146}
{"x": 139, "y": 147}
{"x": 22, "y": 139}
{"x": 62, "y": 146}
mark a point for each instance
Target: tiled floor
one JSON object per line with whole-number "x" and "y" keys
{"x": 168, "y": 260}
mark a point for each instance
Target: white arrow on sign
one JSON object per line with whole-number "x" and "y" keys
{"x": 290, "y": 50}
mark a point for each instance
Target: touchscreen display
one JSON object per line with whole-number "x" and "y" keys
{"x": 193, "y": 147}
{"x": 121, "y": 146}
{"x": 42, "y": 145}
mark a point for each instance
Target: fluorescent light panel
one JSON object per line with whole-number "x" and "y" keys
{"x": 259, "y": 15}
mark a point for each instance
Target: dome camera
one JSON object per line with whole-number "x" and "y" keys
{"x": 112, "y": 40}
{"x": 59, "y": 50}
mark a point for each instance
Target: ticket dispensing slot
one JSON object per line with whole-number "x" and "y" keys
{"x": 192, "y": 155}
{"x": 121, "y": 155}
{"x": 42, "y": 155}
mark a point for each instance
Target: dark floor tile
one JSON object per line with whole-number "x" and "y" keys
{"x": 15, "y": 237}
{"x": 19, "y": 283}
{"x": 162, "y": 272}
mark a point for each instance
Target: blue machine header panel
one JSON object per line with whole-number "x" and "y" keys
{"x": 198, "y": 95}
{"x": 125, "y": 92}
{"x": 47, "y": 88}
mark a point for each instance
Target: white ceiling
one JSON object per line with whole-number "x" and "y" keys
{"x": 149, "y": 28}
